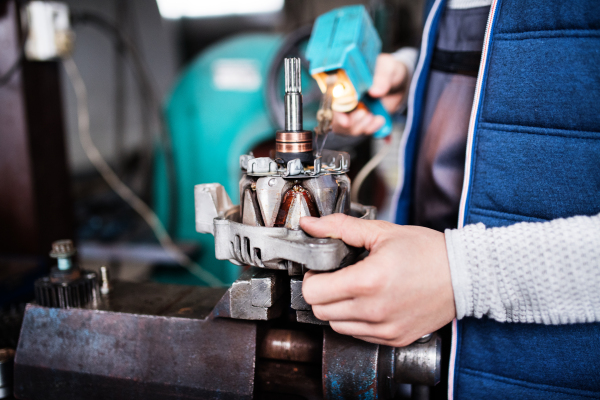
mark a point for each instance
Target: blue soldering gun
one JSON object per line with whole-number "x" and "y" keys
{"x": 342, "y": 51}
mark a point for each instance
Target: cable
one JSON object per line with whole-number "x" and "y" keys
{"x": 91, "y": 151}
{"x": 4, "y": 79}
{"x": 367, "y": 169}
{"x": 148, "y": 95}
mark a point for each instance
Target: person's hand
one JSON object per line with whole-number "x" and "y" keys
{"x": 400, "y": 292}
{"x": 390, "y": 83}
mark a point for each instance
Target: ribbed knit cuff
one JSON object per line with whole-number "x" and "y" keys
{"x": 459, "y": 270}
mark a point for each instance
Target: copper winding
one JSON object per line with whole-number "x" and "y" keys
{"x": 296, "y": 193}
{"x": 291, "y": 137}
{"x": 298, "y": 147}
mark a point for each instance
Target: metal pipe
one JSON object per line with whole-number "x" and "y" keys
{"x": 281, "y": 379}
{"x": 293, "y": 95}
{"x": 419, "y": 362}
{"x": 289, "y": 345}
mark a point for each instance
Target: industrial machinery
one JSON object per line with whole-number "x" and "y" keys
{"x": 258, "y": 338}
{"x": 275, "y": 193}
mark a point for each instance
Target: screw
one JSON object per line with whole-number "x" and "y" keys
{"x": 105, "y": 288}
{"x": 272, "y": 182}
{"x": 424, "y": 338}
{"x": 63, "y": 250}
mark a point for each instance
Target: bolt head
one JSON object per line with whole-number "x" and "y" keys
{"x": 62, "y": 249}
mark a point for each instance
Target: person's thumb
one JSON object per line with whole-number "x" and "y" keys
{"x": 353, "y": 231}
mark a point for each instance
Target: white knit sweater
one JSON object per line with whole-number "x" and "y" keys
{"x": 542, "y": 272}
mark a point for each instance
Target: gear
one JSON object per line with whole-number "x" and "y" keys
{"x": 67, "y": 290}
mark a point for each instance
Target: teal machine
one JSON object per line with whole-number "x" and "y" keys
{"x": 219, "y": 109}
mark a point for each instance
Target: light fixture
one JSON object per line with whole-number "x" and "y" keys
{"x": 175, "y": 9}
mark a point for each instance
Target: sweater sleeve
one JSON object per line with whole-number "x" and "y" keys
{"x": 409, "y": 56}
{"x": 542, "y": 272}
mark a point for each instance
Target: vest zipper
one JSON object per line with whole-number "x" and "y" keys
{"x": 467, "y": 179}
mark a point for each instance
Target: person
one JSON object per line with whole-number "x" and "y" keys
{"x": 501, "y": 188}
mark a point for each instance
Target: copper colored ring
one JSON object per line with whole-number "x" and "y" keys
{"x": 287, "y": 137}
{"x": 302, "y": 147}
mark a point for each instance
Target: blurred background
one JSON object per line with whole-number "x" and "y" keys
{"x": 194, "y": 84}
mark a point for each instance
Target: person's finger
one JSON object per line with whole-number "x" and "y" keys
{"x": 375, "y": 124}
{"x": 382, "y": 77}
{"x": 392, "y": 102}
{"x": 360, "y": 281}
{"x": 355, "y": 328}
{"x": 353, "y": 231}
{"x": 329, "y": 287}
{"x": 360, "y": 128}
{"x": 354, "y": 309}
{"x": 357, "y": 116}
{"x": 341, "y": 119}
{"x": 375, "y": 340}
{"x": 366, "y": 329}
{"x": 392, "y": 77}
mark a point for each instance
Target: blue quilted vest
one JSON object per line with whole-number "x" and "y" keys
{"x": 533, "y": 154}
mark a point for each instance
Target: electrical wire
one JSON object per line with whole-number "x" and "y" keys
{"x": 91, "y": 151}
{"x": 7, "y": 76}
{"x": 368, "y": 168}
{"x": 148, "y": 96}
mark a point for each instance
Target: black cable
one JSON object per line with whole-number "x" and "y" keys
{"x": 149, "y": 98}
{"x": 4, "y": 79}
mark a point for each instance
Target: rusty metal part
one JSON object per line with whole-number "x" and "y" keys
{"x": 291, "y": 345}
{"x": 349, "y": 367}
{"x": 256, "y": 295}
{"x": 64, "y": 276}
{"x": 148, "y": 341}
{"x": 153, "y": 341}
{"x": 75, "y": 289}
{"x": 419, "y": 363}
{"x": 297, "y": 301}
{"x": 307, "y": 317}
{"x": 7, "y": 357}
{"x": 296, "y": 380}
{"x": 298, "y": 147}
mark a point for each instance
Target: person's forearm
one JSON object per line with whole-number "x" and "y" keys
{"x": 529, "y": 272}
